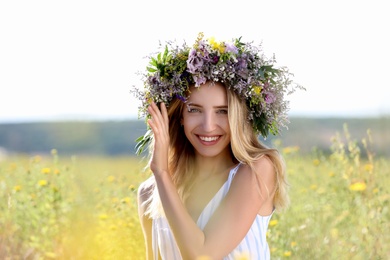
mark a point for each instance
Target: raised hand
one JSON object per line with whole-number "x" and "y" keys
{"x": 159, "y": 123}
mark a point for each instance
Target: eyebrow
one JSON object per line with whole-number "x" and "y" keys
{"x": 197, "y": 105}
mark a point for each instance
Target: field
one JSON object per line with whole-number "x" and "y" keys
{"x": 84, "y": 207}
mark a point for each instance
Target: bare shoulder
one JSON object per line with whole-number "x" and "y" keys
{"x": 264, "y": 166}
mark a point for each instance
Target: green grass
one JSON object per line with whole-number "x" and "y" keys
{"x": 85, "y": 207}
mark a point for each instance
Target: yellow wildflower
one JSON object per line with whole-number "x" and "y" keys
{"x": 316, "y": 162}
{"x": 331, "y": 174}
{"x": 334, "y": 232}
{"x": 273, "y": 222}
{"x": 56, "y": 171}
{"x": 313, "y": 187}
{"x": 126, "y": 200}
{"x": 368, "y": 167}
{"x": 42, "y": 183}
{"x": 287, "y": 253}
{"x": 53, "y": 151}
{"x": 216, "y": 46}
{"x": 113, "y": 227}
{"x": 293, "y": 244}
{"x": 111, "y": 178}
{"x": 358, "y": 186}
{"x": 103, "y": 216}
{"x": 46, "y": 170}
{"x": 131, "y": 187}
{"x": 375, "y": 191}
{"x": 17, "y": 188}
{"x": 257, "y": 89}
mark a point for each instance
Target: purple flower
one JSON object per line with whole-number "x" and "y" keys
{"x": 180, "y": 97}
{"x": 194, "y": 63}
{"x": 270, "y": 98}
{"x": 215, "y": 59}
{"x": 230, "y": 47}
{"x": 199, "y": 80}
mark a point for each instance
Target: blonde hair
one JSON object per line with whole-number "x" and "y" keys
{"x": 244, "y": 145}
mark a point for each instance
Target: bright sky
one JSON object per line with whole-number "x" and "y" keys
{"x": 78, "y": 59}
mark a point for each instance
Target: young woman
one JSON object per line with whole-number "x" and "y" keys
{"x": 214, "y": 186}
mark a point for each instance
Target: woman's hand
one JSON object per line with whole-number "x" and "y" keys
{"x": 159, "y": 124}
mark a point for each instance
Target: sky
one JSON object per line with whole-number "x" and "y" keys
{"x": 77, "y": 60}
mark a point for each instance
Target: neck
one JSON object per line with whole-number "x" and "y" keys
{"x": 214, "y": 165}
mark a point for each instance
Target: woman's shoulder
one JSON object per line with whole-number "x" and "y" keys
{"x": 262, "y": 165}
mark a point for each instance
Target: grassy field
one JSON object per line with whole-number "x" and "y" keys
{"x": 85, "y": 207}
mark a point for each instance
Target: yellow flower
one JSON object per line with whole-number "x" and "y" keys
{"x": 273, "y": 222}
{"x": 287, "y": 253}
{"x": 126, "y": 200}
{"x": 368, "y": 167}
{"x": 293, "y": 244}
{"x": 375, "y": 191}
{"x": 290, "y": 149}
{"x": 56, "y": 171}
{"x": 46, "y": 170}
{"x": 111, "y": 178}
{"x": 257, "y": 89}
{"x": 334, "y": 232}
{"x": 42, "y": 183}
{"x": 53, "y": 151}
{"x": 103, "y": 216}
{"x": 131, "y": 187}
{"x": 358, "y": 186}
{"x": 17, "y": 188}
{"x": 331, "y": 174}
{"x": 216, "y": 46}
{"x": 316, "y": 162}
{"x": 313, "y": 187}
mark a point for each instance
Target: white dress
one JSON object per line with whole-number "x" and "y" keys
{"x": 254, "y": 243}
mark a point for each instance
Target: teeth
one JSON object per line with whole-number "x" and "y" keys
{"x": 208, "y": 139}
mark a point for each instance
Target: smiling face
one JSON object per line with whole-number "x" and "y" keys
{"x": 205, "y": 120}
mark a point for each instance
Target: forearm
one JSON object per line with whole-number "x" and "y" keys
{"x": 189, "y": 237}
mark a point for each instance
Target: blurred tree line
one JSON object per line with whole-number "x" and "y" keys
{"x": 118, "y": 137}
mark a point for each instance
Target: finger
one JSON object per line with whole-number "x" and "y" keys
{"x": 165, "y": 115}
{"x": 155, "y": 115}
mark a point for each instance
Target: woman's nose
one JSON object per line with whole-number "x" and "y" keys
{"x": 209, "y": 122}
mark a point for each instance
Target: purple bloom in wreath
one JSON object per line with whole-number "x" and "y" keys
{"x": 230, "y": 47}
{"x": 183, "y": 99}
{"x": 199, "y": 80}
{"x": 194, "y": 63}
{"x": 269, "y": 98}
{"x": 215, "y": 59}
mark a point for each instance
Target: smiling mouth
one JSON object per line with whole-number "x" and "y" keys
{"x": 208, "y": 138}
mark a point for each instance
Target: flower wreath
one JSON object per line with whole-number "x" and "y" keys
{"x": 240, "y": 66}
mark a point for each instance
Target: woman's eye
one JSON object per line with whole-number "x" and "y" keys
{"x": 193, "y": 110}
{"x": 222, "y": 111}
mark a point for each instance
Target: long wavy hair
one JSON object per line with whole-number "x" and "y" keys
{"x": 244, "y": 145}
